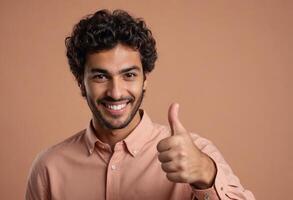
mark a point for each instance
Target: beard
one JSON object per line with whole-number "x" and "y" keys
{"x": 107, "y": 123}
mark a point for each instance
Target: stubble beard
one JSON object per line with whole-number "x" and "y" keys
{"x": 108, "y": 125}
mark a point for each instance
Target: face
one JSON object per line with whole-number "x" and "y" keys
{"x": 114, "y": 86}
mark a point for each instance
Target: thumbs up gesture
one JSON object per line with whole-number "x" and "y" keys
{"x": 182, "y": 161}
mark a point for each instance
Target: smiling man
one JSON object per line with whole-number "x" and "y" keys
{"x": 114, "y": 85}
{"x": 122, "y": 154}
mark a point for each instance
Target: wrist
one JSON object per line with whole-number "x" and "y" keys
{"x": 207, "y": 174}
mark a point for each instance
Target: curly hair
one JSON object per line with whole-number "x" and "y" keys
{"x": 103, "y": 30}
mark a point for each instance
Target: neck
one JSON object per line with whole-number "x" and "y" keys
{"x": 111, "y": 137}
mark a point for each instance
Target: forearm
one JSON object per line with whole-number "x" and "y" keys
{"x": 226, "y": 184}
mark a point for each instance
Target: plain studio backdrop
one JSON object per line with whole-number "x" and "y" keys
{"x": 228, "y": 64}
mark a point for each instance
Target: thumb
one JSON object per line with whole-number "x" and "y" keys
{"x": 174, "y": 122}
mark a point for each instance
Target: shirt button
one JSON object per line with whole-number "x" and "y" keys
{"x": 135, "y": 152}
{"x": 113, "y": 167}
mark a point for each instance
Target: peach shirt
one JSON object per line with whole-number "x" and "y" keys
{"x": 84, "y": 168}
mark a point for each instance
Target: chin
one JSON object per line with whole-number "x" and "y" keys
{"x": 112, "y": 123}
{"x": 115, "y": 126}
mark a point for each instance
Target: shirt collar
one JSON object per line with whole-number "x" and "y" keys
{"x": 90, "y": 138}
{"x": 140, "y": 135}
{"x": 134, "y": 141}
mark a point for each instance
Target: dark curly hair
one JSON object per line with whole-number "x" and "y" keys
{"x": 104, "y": 30}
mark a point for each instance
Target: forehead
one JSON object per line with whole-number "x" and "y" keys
{"x": 114, "y": 60}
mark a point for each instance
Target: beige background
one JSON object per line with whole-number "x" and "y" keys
{"x": 228, "y": 63}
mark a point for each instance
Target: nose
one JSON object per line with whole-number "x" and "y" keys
{"x": 115, "y": 88}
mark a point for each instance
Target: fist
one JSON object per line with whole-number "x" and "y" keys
{"x": 180, "y": 159}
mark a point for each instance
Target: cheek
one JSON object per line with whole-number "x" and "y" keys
{"x": 136, "y": 89}
{"x": 95, "y": 90}
{"x": 136, "y": 86}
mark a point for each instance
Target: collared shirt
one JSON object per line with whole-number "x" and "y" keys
{"x": 84, "y": 168}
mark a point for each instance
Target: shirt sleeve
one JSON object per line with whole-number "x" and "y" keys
{"x": 227, "y": 185}
{"x": 38, "y": 182}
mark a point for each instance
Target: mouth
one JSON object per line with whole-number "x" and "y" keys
{"x": 115, "y": 108}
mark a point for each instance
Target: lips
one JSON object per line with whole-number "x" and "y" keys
{"x": 116, "y": 108}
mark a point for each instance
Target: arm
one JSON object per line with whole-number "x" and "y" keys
{"x": 187, "y": 158}
{"x": 226, "y": 184}
{"x": 38, "y": 182}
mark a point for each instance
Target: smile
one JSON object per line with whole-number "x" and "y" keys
{"x": 116, "y": 107}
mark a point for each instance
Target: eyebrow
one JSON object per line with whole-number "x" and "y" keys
{"x": 104, "y": 71}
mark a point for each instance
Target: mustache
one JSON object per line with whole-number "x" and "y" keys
{"x": 111, "y": 99}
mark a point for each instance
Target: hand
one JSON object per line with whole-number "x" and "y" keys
{"x": 182, "y": 161}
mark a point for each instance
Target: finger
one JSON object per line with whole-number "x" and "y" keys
{"x": 169, "y": 167}
{"x": 167, "y": 156}
{"x": 174, "y": 122}
{"x": 178, "y": 177}
{"x": 167, "y": 143}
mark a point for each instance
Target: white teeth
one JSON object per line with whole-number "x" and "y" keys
{"x": 116, "y": 107}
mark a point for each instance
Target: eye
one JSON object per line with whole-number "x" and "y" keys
{"x": 100, "y": 77}
{"x": 130, "y": 75}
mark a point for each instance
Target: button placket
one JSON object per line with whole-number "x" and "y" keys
{"x": 113, "y": 174}
{"x": 135, "y": 152}
{"x": 113, "y": 167}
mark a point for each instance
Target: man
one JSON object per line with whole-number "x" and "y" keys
{"x": 123, "y": 154}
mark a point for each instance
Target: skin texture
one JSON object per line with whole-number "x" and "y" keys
{"x": 114, "y": 77}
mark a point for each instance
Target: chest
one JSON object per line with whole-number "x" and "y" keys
{"x": 115, "y": 176}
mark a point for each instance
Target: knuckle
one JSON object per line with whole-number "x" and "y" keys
{"x": 181, "y": 154}
{"x": 184, "y": 176}
{"x": 181, "y": 166}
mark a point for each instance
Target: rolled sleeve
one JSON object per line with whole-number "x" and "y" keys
{"x": 226, "y": 185}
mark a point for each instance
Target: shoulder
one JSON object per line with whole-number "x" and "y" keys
{"x": 73, "y": 144}
{"x": 38, "y": 182}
